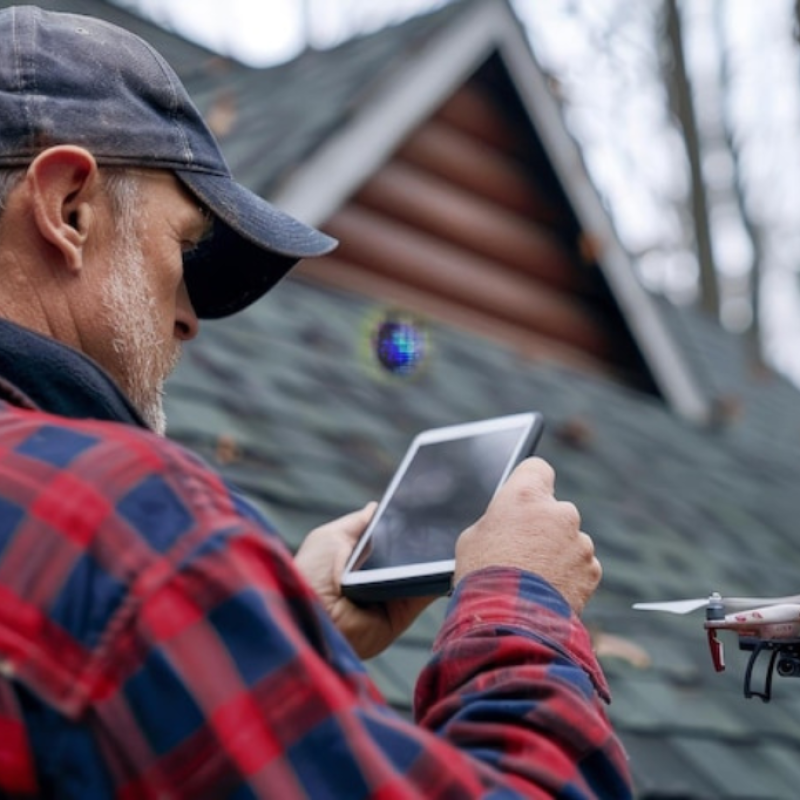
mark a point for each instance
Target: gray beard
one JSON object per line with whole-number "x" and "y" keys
{"x": 143, "y": 357}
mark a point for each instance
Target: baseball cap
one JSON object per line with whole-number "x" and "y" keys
{"x": 73, "y": 79}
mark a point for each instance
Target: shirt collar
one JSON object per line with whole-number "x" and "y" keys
{"x": 58, "y": 379}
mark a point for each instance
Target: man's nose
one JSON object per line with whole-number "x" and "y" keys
{"x": 187, "y": 326}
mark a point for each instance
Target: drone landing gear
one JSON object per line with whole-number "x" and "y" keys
{"x": 757, "y": 648}
{"x": 784, "y": 656}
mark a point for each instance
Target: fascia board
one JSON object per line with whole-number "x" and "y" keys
{"x": 330, "y": 175}
{"x": 670, "y": 370}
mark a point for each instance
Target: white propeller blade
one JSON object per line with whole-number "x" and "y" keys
{"x": 745, "y": 603}
{"x": 729, "y": 604}
{"x": 674, "y": 606}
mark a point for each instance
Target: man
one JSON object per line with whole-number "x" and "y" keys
{"x": 156, "y": 637}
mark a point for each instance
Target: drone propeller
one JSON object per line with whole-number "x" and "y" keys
{"x": 724, "y": 604}
{"x": 674, "y": 606}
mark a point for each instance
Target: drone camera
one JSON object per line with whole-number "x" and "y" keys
{"x": 788, "y": 667}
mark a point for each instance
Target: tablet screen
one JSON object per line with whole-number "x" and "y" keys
{"x": 445, "y": 487}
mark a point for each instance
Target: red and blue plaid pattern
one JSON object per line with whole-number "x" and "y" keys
{"x": 157, "y": 642}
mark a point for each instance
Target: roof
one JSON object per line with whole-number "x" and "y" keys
{"x": 288, "y": 401}
{"x": 309, "y": 150}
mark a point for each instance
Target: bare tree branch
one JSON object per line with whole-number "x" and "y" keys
{"x": 738, "y": 188}
{"x": 797, "y": 19}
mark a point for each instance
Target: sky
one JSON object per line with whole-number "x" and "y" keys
{"x": 263, "y": 32}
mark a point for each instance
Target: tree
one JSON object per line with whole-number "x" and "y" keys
{"x": 679, "y": 87}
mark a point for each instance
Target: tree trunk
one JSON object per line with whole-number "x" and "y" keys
{"x": 679, "y": 86}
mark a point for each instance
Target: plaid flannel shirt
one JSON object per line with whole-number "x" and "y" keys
{"x": 156, "y": 641}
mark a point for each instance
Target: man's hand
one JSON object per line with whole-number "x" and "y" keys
{"x": 526, "y": 527}
{"x": 321, "y": 559}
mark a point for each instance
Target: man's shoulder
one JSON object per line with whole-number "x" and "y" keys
{"x": 95, "y": 518}
{"x": 63, "y": 442}
{"x": 113, "y": 473}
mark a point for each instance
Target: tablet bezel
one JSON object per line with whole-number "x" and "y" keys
{"x": 432, "y": 577}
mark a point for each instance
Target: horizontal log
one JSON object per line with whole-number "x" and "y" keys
{"x": 339, "y": 274}
{"x": 425, "y": 262}
{"x": 429, "y": 203}
{"x": 457, "y": 157}
{"x": 470, "y": 110}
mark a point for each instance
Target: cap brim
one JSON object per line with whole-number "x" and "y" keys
{"x": 253, "y": 246}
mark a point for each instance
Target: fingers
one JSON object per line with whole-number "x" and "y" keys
{"x": 582, "y": 584}
{"x": 533, "y": 475}
{"x": 525, "y": 526}
{"x": 324, "y": 551}
{"x": 350, "y": 526}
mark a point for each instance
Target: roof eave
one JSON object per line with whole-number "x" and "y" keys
{"x": 406, "y": 98}
{"x": 667, "y": 363}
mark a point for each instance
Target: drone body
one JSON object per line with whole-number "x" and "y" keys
{"x": 781, "y": 621}
{"x": 769, "y": 625}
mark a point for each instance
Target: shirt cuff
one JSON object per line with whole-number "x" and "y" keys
{"x": 512, "y": 600}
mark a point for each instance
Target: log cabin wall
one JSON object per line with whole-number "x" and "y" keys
{"x": 465, "y": 224}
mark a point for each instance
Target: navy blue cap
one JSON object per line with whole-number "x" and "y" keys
{"x": 73, "y": 79}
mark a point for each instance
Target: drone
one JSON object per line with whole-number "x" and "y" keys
{"x": 763, "y": 624}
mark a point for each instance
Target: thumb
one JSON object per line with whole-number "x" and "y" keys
{"x": 352, "y": 525}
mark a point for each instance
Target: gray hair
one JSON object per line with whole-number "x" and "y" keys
{"x": 123, "y": 190}
{"x": 9, "y": 179}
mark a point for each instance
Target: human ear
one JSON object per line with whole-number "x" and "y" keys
{"x": 63, "y": 185}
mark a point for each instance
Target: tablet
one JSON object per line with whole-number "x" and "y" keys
{"x": 443, "y": 485}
